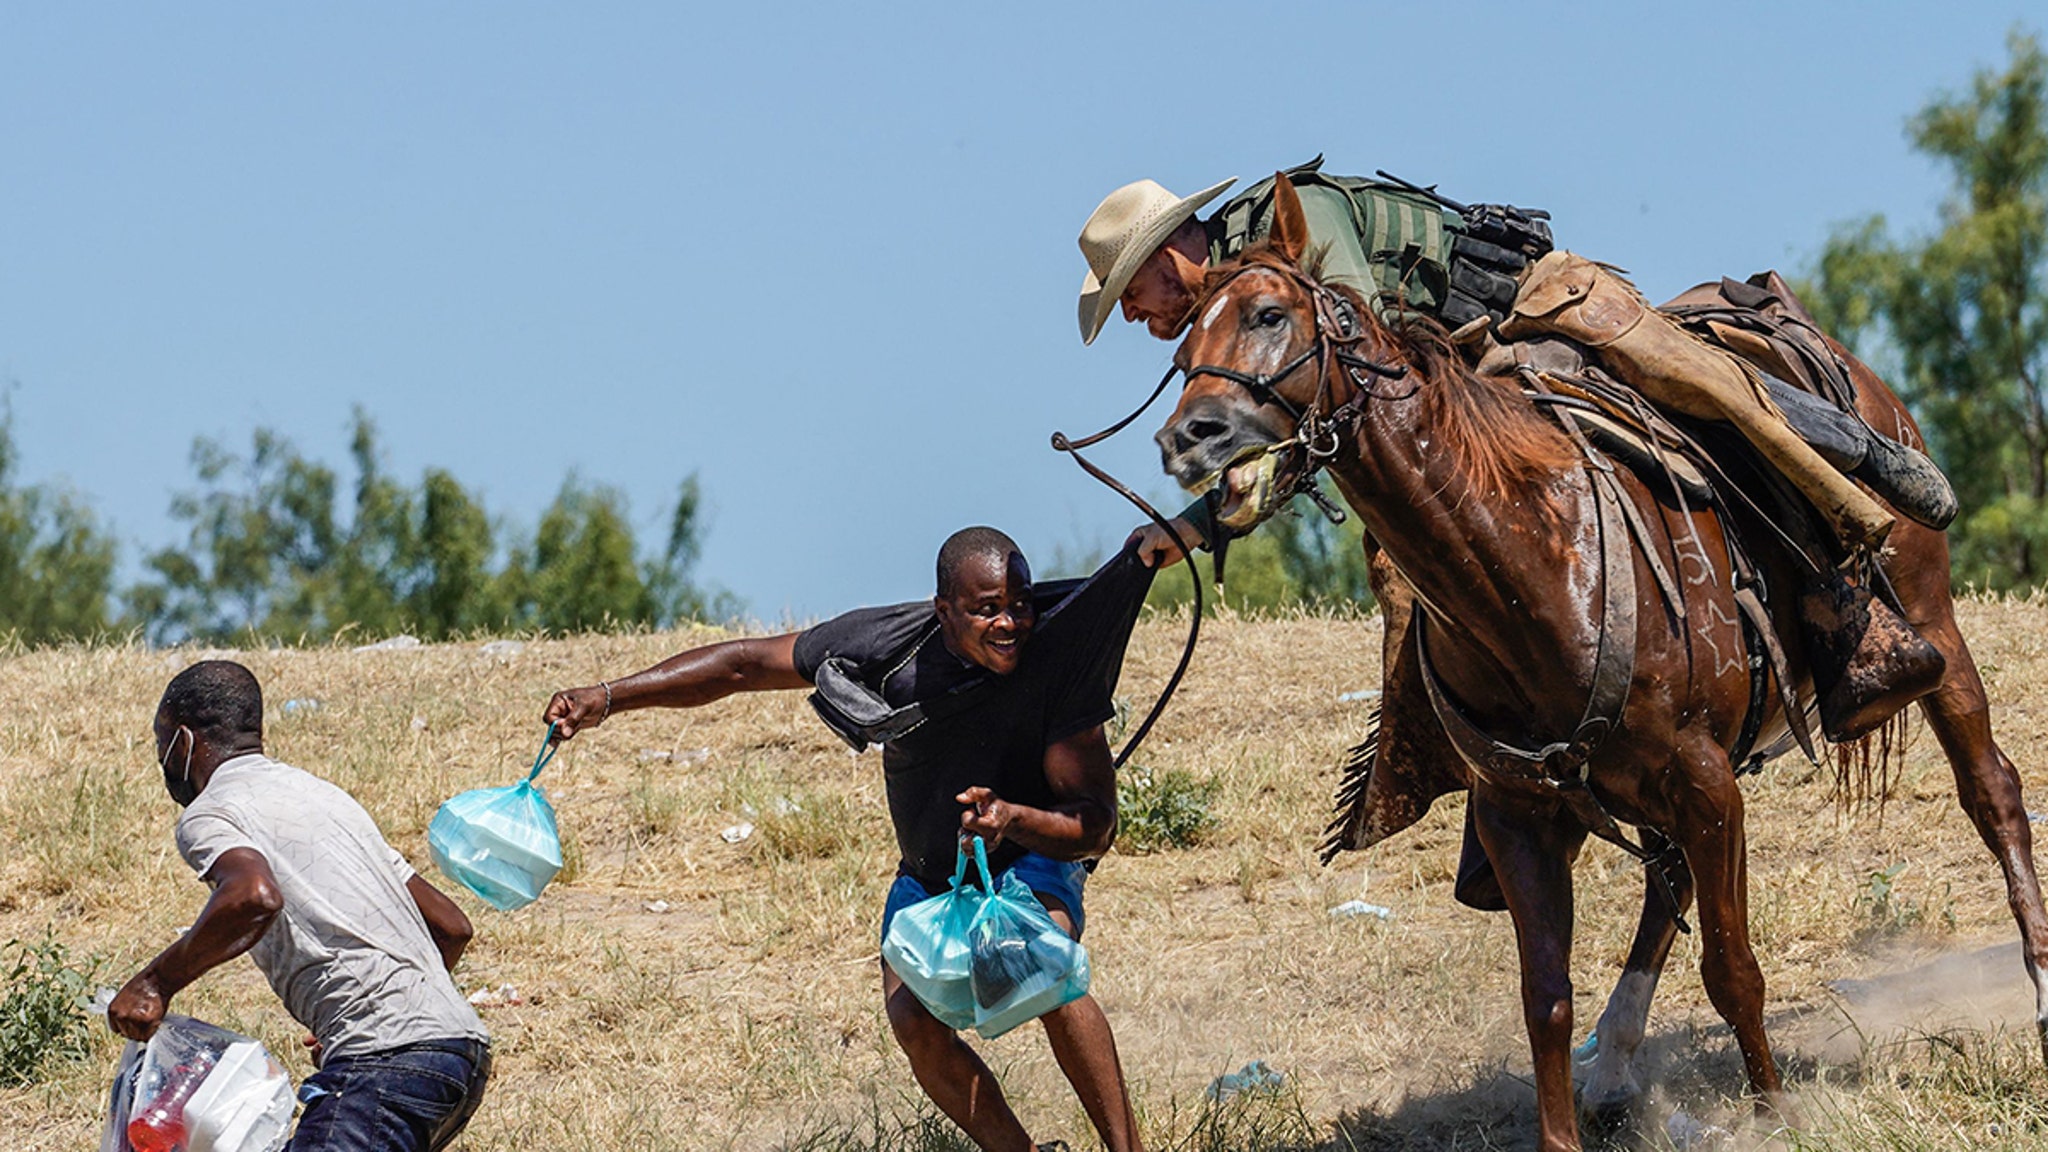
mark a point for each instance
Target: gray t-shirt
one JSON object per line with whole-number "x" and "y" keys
{"x": 350, "y": 954}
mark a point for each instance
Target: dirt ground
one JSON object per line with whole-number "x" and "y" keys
{"x": 680, "y": 991}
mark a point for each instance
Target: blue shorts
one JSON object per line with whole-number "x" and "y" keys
{"x": 1061, "y": 880}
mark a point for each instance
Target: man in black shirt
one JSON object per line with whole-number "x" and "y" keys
{"x": 989, "y": 701}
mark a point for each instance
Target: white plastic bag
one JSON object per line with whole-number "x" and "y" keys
{"x": 197, "y": 1088}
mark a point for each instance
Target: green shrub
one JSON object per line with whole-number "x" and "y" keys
{"x": 1889, "y": 913}
{"x": 42, "y": 1009}
{"x": 1162, "y": 810}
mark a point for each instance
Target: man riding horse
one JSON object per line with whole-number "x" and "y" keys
{"x": 1581, "y": 684}
{"x": 1489, "y": 274}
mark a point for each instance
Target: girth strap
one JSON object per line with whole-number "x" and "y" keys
{"x": 1563, "y": 765}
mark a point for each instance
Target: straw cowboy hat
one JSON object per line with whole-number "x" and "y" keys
{"x": 1126, "y": 227}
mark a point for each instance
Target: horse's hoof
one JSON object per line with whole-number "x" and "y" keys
{"x": 1604, "y": 1123}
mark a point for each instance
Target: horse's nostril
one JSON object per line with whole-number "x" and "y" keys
{"x": 1199, "y": 431}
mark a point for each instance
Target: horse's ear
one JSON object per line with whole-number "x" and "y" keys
{"x": 1289, "y": 235}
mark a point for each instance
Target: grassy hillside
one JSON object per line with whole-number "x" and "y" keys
{"x": 683, "y": 992}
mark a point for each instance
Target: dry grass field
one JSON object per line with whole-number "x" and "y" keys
{"x": 681, "y": 992}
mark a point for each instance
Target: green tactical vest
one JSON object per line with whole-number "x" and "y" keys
{"x": 1403, "y": 240}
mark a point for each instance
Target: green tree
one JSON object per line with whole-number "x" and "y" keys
{"x": 677, "y": 596}
{"x": 260, "y": 536}
{"x": 272, "y": 551}
{"x": 56, "y": 564}
{"x": 452, "y": 590}
{"x": 375, "y": 564}
{"x": 1958, "y": 319}
{"x": 585, "y": 571}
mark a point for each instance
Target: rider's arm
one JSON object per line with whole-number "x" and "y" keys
{"x": 684, "y": 680}
{"x": 1081, "y": 821}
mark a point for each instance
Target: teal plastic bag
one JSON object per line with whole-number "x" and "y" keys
{"x": 500, "y": 843}
{"x": 985, "y": 958}
{"x": 928, "y": 946}
{"x": 1021, "y": 964}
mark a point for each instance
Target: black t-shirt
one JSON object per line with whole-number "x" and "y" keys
{"x": 1063, "y": 685}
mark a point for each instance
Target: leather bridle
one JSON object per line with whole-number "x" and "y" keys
{"x": 1319, "y": 428}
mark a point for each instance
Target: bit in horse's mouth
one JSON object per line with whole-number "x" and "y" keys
{"x": 1252, "y": 486}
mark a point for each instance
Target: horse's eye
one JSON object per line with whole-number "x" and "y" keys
{"x": 1271, "y": 318}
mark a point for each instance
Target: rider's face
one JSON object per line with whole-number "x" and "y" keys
{"x": 989, "y": 614}
{"x": 1158, "y": 296}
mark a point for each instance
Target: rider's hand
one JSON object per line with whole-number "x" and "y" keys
{"x": 574, "y": 710}
{"x": 1156, "y": 548}
{"x": 987, "y": 815}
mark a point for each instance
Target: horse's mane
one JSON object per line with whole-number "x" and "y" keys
{"x": 1486, "y": 427}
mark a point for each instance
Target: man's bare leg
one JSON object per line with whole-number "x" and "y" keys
{"x": 950, "y": 1072}
{"x": 1086, "y": 1051}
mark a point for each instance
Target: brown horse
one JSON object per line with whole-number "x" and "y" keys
{"x": 1507, "y": 537}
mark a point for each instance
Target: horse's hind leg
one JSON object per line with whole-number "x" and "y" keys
{"x": 1989, "y": 789}
{"x": 1716, "y": 848}
{"x": 1611, "y": 1091}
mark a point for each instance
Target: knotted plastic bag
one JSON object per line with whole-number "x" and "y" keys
{"x": 928, "y": 945}
{"x": 500, "y": 843}
{"x": 1021, "y": 964}
{"x": 197, "y": 1088}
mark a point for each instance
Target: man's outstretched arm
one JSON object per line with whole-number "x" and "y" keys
{"x": 684, "y": 680}
{"x": 244, "y": 902}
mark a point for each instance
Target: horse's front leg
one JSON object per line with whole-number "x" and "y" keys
{"x": 1531, "y": 845}
{"x": 1611, "y": 1092}
{"x": 1716, "y": 847}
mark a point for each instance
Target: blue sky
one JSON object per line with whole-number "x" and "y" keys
{"x": 822, "y": 255}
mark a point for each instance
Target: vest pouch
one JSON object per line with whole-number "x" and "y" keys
{"x": 855, "y": 712}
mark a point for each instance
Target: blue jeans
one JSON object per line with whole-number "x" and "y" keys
{"x": 409, "y": 1099}
{"x": 1060, "y": 879}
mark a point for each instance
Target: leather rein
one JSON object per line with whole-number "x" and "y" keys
{"x": 1317, "y": 435}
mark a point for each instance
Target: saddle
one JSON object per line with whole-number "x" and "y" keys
{"x": 1762, "y": 321}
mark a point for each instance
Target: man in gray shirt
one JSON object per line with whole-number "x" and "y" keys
{"x": 357, "y": 945}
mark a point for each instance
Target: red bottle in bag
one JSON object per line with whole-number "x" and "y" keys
{"x": 161, "y": 1125}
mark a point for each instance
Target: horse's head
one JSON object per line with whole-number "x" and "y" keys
{"x": 1255, "y": 376}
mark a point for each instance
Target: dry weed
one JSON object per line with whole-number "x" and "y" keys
{"x": 682, "y": 992}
